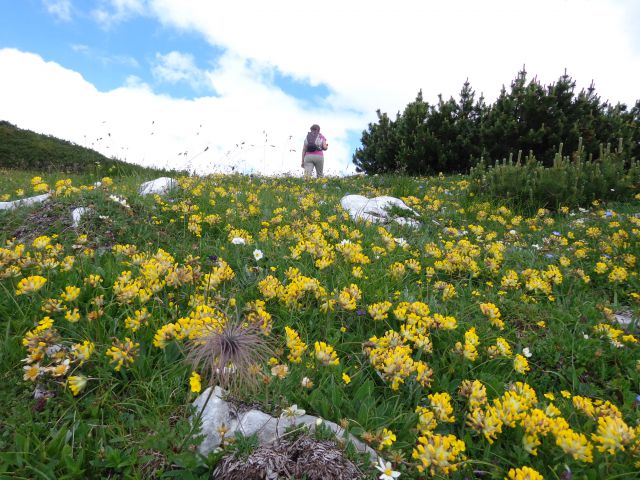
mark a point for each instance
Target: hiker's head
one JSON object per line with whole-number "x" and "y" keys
{"x": 315, "y": 127}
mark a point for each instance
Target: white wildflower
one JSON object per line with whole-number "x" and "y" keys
{"x": 388, "y": 473}
{"x": 292, "y": 412}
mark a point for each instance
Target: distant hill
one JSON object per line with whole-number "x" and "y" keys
{"x": 27, "y": 150}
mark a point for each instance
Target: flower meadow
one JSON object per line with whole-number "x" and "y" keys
{"x": 487, "y": 343}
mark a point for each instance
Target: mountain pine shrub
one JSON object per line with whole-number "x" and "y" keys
{"x": 575, "y": 180}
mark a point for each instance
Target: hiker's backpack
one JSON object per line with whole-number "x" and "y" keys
{"x": 312, "y": 142}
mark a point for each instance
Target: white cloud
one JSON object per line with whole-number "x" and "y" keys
{"x": 246, "y": 127}
{"x": 61, "y": 9}
{"x": 105, "y": 59}
{"x": 177, "y": 67}
{"x": 80, "y": 48}
{"x": 111, "y": 12}
{"x": 375, "y": 53}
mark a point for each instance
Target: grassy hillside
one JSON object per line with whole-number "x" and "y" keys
{"x": 27, "y": 150}
{"x": 479, "y": 345}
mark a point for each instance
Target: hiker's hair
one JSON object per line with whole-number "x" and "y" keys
{"x": 315, "y": 126}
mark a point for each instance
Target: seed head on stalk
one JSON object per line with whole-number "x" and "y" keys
{"x": 231, "y": 357}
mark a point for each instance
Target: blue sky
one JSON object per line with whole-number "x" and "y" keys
{"x": 215, "y": 74}
{"x": 107, "y": 57}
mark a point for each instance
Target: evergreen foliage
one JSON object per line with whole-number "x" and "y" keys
{"x": 26, "y": 150}
{"x": 452, "y": 136}
{"x": 571, "y": 181}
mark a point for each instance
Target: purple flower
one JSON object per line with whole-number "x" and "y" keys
{"x": 556, "y": 233}
{"x": 361, "y": 312}
{"x": 213, "y": 258}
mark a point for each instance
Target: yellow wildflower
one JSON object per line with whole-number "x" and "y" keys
{"x": 195, "y": 382}
{"x": 387, "y": 438}
{"x": 30, "y": 284}
{"x": 325, "y": 354}
{"x": 121, "y": 352}
{"x": 520, "y": 364}
{"x": 439, "y": 454}
{"x": 613, "y": 434}
{"x": 77, "y": 383}
{"x": 523, "y": 473}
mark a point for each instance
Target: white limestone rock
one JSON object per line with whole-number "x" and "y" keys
{"x": 376, "y": 210}
{"x": 77, "y": 213}
{"x": 217, "y": 411}
{"x": 24, "y": 202}
{"x": 160, "y": 186}
{"x": 407, "y": 222}
{"x": 625, "y": 318}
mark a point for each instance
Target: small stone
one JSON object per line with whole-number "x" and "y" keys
{"x": 160, "y": 186}
{"x": 376, "y": 210}
{"x": 215, "y": 411}
{"x": 77, "y": 213}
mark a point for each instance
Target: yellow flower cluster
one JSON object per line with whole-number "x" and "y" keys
{"x": 38, "y": 185}
{"x": 48, "y": 356}
{"x": 294, "y": 292}
{"x": 391, "y": 357}
{"x": 70, "y": 294}
{"x": 459, "y": 258}
{"x": 256, "y": 313}
{"x": 379, "y": 311}
{"x": 523, "y": 473}
{"x": 440, "y": 403}
{"x": 615, "y": 335}
{"x": 30, "y": 284}
{"x": 77, "y": 383}
{"x": 122, "y": 352}
{"x": 439, "y": 454}
{"x": 296, "y": 346}
{"x": 349, "y": 296}
{"x": 492, "y": 312}
{"x": 352, "y": 253}
{"x": 521, "y": 364}
{"x": 475, "y": 392}
{"x": 469, "y": 349}
{"x": 500, "y": 349}
{"x": 195, "y": 382}
{"x": 139, "y": 319}
{"x": 325, "y": 354}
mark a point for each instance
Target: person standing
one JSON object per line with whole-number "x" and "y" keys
{"x": 313, "y": 152}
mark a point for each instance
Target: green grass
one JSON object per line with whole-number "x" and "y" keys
{"x": 134, "y": 423}
{"x": 26, "y": 150}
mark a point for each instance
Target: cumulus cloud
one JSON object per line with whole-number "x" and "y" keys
{"x": 248, "y": 127}
{"x": 375, "y": 53}
{"x": 61, "y": 9}
{"x": 175, "y": 67}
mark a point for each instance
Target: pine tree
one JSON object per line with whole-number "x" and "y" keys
{"x": 379, "y": 147}
{"x": 451, "y": 136}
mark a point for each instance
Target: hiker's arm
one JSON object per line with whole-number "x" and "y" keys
{"x": 304, "y": 151}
